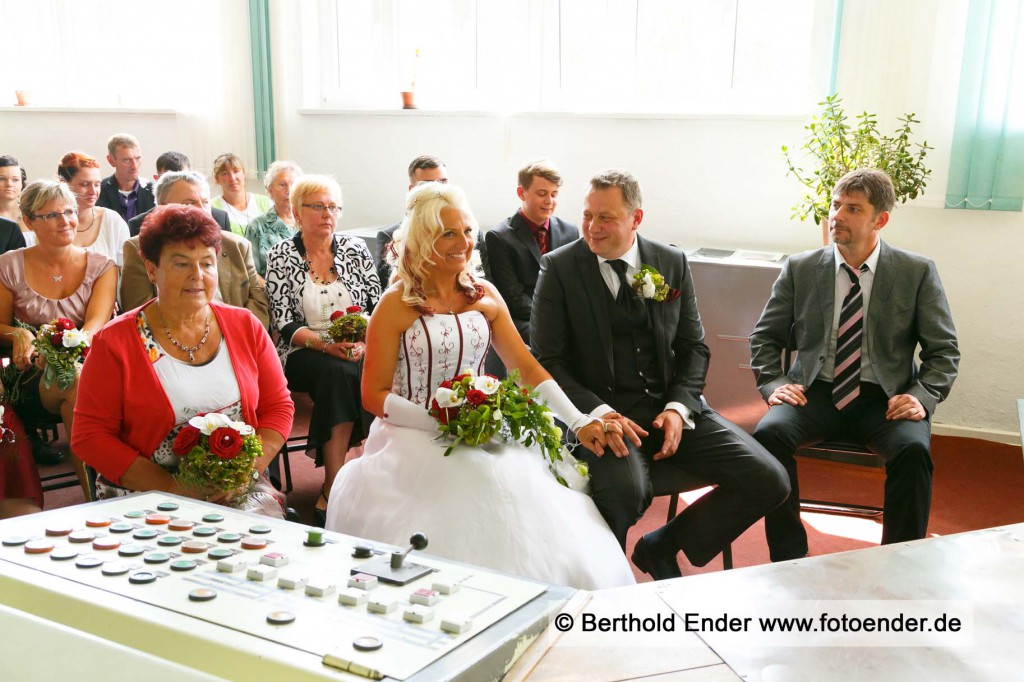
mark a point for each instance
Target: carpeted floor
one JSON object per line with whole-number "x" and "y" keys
{"x": 977, "y": 485}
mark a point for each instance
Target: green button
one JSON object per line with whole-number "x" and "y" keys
{"x": 203, "y": 531}
{"x": 260, "y": 530}
{"x": 213, "y": 518}
{"x": 144, "y": 534}
{"x": 220, "y": 553}
{"x": 183, "y": 565}
{"x": 156, "y": 558}
{"x": 134, "y": 514}
{"x": 169, "y": 541}
{"x": 167, "y": 506}
{"x": 121, "y": 527}
{"x": 229, "y": 537}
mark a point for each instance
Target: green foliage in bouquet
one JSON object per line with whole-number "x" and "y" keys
{"x": 216, "y": 454}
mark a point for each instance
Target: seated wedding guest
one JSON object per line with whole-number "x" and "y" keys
{"x": 12, "y": 180}
{"x": 99, "y": 229}
{"x": 424, "y": 168}
{"x": 311, "y": 275}
{"x": 498, "y": 507}
{"x": 53, "y": 279}
{"x": 278, "y": 223}
{"x": 123, "y": 191}
{"x": 516, "y": 245}
{"x": 241, "y": 205}
{"x": 176, "y": 162}
{"x": 171, "y": 161}
{"x": 198, "y": 355}
{"x": 21, "y": 491}
{"x": 237, "y": 281}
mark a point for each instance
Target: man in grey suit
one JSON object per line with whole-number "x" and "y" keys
{"x": 515, "y": 246}
{"x": 858, "y": 309}
{"x": 238, "y": 283}
{"x": 642, "y": 362}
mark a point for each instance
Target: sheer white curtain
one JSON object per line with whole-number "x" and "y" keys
{"x": 191, "y": 56}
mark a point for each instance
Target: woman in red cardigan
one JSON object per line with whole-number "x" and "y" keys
{"x": 180, "y": 355}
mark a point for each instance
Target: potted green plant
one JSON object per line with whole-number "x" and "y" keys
{"x": 836, "y": 147}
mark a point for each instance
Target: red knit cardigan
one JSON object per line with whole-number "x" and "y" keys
{"x": 122, "y": 411}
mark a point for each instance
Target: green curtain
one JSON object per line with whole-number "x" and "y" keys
{"x": 262, "y": 90}
{"x": 987, "y": 159}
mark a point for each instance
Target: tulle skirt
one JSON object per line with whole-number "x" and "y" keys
{"x": 497, "y": 507}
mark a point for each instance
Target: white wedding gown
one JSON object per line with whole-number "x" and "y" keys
{"x": 497, "y": 506}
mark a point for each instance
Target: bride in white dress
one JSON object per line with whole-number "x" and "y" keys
{"x": 496, "y": 506}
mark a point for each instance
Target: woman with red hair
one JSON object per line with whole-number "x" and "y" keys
{"x": 99, "y": 229}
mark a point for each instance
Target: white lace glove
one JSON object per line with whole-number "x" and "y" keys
{"x": 401, "y": 412}
{"x": 560, "y": 404}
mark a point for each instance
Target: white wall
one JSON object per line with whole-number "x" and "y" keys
{"x": 707, "y": 182}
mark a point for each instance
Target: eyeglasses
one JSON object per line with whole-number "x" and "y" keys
{"x": 320, "y": 208}
{"x": 55, "y": 215}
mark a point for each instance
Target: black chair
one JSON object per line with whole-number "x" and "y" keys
{"x": 668, "y": 480}
{"x": 835, "y": 450}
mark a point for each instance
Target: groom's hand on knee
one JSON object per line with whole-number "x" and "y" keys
{"x": 671, "y": 422}
{"x": 791, "y": 394}
{"x": 631, "y": 431}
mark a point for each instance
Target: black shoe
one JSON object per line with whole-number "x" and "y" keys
{"x": 45, "y": 454}
{"x": 658, "y": 567}
{"x": 291, "y": 515}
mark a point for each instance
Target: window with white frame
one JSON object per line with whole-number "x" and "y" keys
{"x": 605, "y": 56}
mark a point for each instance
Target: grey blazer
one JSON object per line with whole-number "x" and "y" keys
{"x": 908, "y": 308}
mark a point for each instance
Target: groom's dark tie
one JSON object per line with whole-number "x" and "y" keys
{"x": 626, "y": 296}
{"x": 849, "y": 336}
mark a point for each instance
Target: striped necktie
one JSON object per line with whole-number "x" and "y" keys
{"x": 846, "y": 379}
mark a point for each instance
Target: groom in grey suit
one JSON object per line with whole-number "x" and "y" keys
{"x": 858, "y": 310}
{"x": 627, "y": 356}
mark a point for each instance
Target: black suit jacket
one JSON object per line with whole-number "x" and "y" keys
{"x": 109, "y": 198}
{"x": 571, "y": 335}
{"x": 135, "y": 224}
{"x": 10, "y": 236}
{"x": 514, "y": 259}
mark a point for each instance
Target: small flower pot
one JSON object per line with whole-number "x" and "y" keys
{"x": 408, "y": 100}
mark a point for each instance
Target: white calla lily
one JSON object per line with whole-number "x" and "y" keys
{"x": 487, "y": 385}
{"x": 210, "y": 422}
{"x": 73, "y": 338}
{"x": 446, "y": 397}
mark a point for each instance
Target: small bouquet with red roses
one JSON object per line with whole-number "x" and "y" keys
{"x": 61, "y": 344}
{"x": 348, "y": 326}
{"x": 473, "y": 410}
{"x": 217, "y": 454}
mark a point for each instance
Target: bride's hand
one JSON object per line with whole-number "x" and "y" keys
{"x": 594, "y": 436}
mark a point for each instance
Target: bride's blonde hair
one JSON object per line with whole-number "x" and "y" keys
{"x": 414, "y": 246}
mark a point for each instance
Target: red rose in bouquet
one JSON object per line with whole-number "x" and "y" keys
{"x": 348, "y": 327}
{"x": 475, "y": 397}
{"x": 186, "y": 439}
{"x": 65, "y": 324}
{"x": 336, "y": 314}
{"x": 225, "y": 442}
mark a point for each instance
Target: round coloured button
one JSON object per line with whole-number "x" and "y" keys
{"x": 179, "y": 525}
{"x": 169, "y": 541}
{"x": 38, "y": 547}
{"x": 213, "y": 518}
{"x": 105, "y": 543}
{"x": 367, "y": 643}
{"x": 63, "y": 553}
{"x": 229, "y": 537}
{"x": 130, "y": 550}
{"x": 142, "y": 578}
{"x": 204, "y": 531}
{"x": 280, "y": 617}
{"x": 97, "y": 522}
{"x": 88, "y": 562}
{"x": 145, "y": 534}
{"x": 183, "y": 565}
{"x": 202, "y": 594}
{"x": 254, "y": 543}
{"x": 115, "y": 568}
{"x": 260, "y": 530}
{"x": 156, "y": 558}
{"x": 121, "y": 527}
{"x": 82, "y": 536}
{"x": 16, "y": 540}
{"x": 158, "y": 519}
{"x": 194, "y": 547}
{"x": 58, "y": 530}
{"x": 134, "y": 514}
{"x": 220, "y": 553}
{"x": 167, "y": 507}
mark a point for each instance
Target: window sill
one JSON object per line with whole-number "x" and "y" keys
{"x": 437, "y": 113}
{"x": 89, "y": 110}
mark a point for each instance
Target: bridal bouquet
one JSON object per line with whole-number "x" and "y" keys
{"x": 216, "y": 453}
{"x": 348, "y": 326}
{"x": 475, "y": 409}
{"x": 61, "y": 344}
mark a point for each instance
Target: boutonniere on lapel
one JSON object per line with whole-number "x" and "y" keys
{"x": 649, "y": 284}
